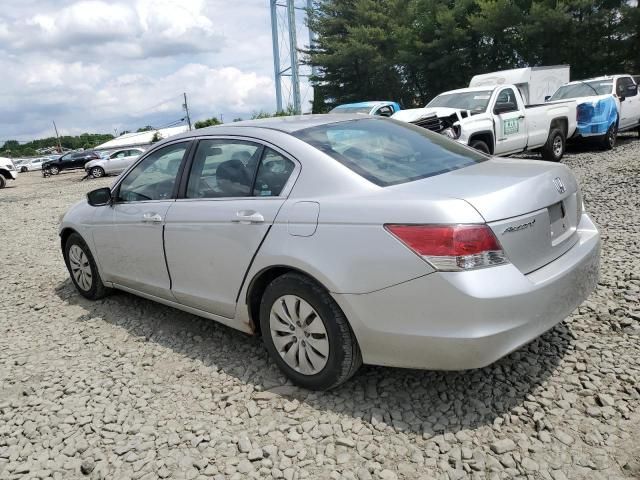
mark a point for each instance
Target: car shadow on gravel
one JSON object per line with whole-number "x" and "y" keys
{"x": 422, "y": 402}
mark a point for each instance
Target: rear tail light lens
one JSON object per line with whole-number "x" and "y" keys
{"x": 451, "y": 248}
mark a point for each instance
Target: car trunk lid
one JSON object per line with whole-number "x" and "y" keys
{"x": 532, "y": 207}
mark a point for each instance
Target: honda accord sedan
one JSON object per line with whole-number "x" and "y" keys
{"x": 342, "y": 240}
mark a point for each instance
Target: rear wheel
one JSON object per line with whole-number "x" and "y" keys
{"x": 82, "y": 268}
{"x": 553, "y": 150}
{"x": 3, "y": 182}
{"x": 54, "y": 170}
{"x": 24, "y": 169}
{"x": 480, "y": 145}
{"x": 609, "y": 139}
{"x": 307, "y": 334}
{"x": 97, "y": 172}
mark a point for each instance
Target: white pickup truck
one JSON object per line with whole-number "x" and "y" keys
{"x": 606, "y": 105}
{"x": 496, "y": 120}
{"x": 7, "y": 171}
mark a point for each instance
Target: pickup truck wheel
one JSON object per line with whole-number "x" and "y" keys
{"x": 553, "y": 150}
{"x": 54, "y": 170}
{"x": 609, "y": 138}
{"x": 3, "y": 182}
{"x": 480, "y": 145}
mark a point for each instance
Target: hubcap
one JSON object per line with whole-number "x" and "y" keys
{"x": 557, "y": 146}
{"x": 299, "y": 334}
{"x": 97, "y": 172}
{"x": 80, "y": 268}
{"x": 54, "y": 170}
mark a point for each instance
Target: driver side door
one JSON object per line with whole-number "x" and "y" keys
{"x": 130, "y": 238}
{"x": 511, "y": 132}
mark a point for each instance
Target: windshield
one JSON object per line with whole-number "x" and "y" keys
{"x": 475, "y": 101}
{"x": 388, "y": 152}
{"x": 348, "y": 109}
{"x": 583, "y": 89}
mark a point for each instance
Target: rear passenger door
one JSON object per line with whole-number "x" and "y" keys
{"x": 229, "y": 200}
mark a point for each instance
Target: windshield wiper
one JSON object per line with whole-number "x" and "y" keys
{"x": 590, "y": 86}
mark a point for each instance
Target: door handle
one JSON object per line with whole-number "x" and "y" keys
{"x": 151, "y": 217}
{"x": 521, "y": 117}
{"x": 248, "y": 216}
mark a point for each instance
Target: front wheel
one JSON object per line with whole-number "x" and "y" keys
{"x": 97, "y": 172}
{"x": 609, "y": 139}
{"x": 480, "y": 145}
{"x": 54, "y": 170}
{"x": 307, "y": 334}
{"x": 82, "y": 268}
{"x": 3, "y": 182}
{"x": 24, "y": 170}
{"x": 553, "y": 150}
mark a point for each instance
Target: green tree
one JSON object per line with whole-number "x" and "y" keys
{"x": 147, "y": 128}
{"x": 209, "y": 122}
{"x": 156, "y": 137}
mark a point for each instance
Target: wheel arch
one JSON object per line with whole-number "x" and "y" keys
{"x": 5, "y": 173}
{"x": 562, "y": 123}
{"x": 258, "y": 285}
{"x": 486, "y": 136}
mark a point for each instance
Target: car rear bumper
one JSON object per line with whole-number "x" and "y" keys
{"x": 464, "y": 320}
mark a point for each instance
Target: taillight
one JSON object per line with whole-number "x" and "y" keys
{"x": 451, "y": 248}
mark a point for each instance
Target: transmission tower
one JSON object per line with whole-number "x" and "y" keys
{"x": 287, "y": 19}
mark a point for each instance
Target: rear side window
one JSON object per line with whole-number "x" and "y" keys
{"x": 387, "y": 152}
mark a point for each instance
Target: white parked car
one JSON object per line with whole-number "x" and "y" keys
{"x": 342, "y": 239}
{"x": 33, "y": 164}
{"x": 7, "y": 171}
{"x": 113, "y": 164}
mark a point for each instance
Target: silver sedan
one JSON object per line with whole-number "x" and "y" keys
{"x": 341, "y": 240}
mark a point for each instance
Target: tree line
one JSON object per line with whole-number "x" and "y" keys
{"x": 411, "y": 50}
{"x": 13, "y": 148}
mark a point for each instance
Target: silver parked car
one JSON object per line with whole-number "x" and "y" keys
{"x": 113, "y": 163}
{"x": 343, "y": 239}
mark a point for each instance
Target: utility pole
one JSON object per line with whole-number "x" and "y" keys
{"x": 57, "y": 136}
{"x": 293, "y": 50}
{"x": 186, "y": 108}
{"x": 276, "y": 54}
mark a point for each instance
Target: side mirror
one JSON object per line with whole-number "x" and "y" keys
{"x": 547, "y": 98}
{"x": 622, "y": 98}
{"x": 503, "y": 108}
{"x": 99, "y": 197}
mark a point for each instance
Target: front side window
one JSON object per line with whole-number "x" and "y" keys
{"x": 506, "y": 101}
{"x": 625, "y": 87}
{"x": 154, "y": 178}
{"x": 387, "y": 152}
{"x": 385, "y": 111}
{"x": 223, "y": 168}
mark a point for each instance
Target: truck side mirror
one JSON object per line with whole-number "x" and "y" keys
{"x": 547, "y": 98}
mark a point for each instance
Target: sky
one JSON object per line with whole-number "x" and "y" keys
{"x": 101, "y": 66}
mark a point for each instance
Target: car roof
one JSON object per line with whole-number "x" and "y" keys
{"x": 595, "y": 79}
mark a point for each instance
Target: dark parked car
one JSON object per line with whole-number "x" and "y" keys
{"x": 70, "y": 161}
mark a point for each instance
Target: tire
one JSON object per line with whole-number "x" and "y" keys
{"x": 325, "y": 337}
{"x": 24, "y": 170}
{"x": 91, "y": 286}
{"x": 553, "y": 150}
{"x": 54, "y": 170}
{"x": 608, "y": 140}
{"x": 97, "y": 172}
{"x": 480, "y": 145}
{"x": 3, "y": 181}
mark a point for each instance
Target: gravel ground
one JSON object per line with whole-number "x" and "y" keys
{"x": 125, "y": 388}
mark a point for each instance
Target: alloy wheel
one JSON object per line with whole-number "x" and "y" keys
{"x": 80, "y": 268}
{"x": 97, "y": 172}
{"x": 299, "y": 334}
{"x": 54, "y": 170}
{"x": 557, "y": 146}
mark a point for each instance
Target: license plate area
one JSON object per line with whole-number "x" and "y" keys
{"x": 558, "y": 222}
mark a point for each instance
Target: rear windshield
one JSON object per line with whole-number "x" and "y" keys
{"x": 388, "y": 152}
{"x": 583, "y": 89}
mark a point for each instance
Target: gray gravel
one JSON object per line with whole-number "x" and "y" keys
{"x": 125, "y": 388}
